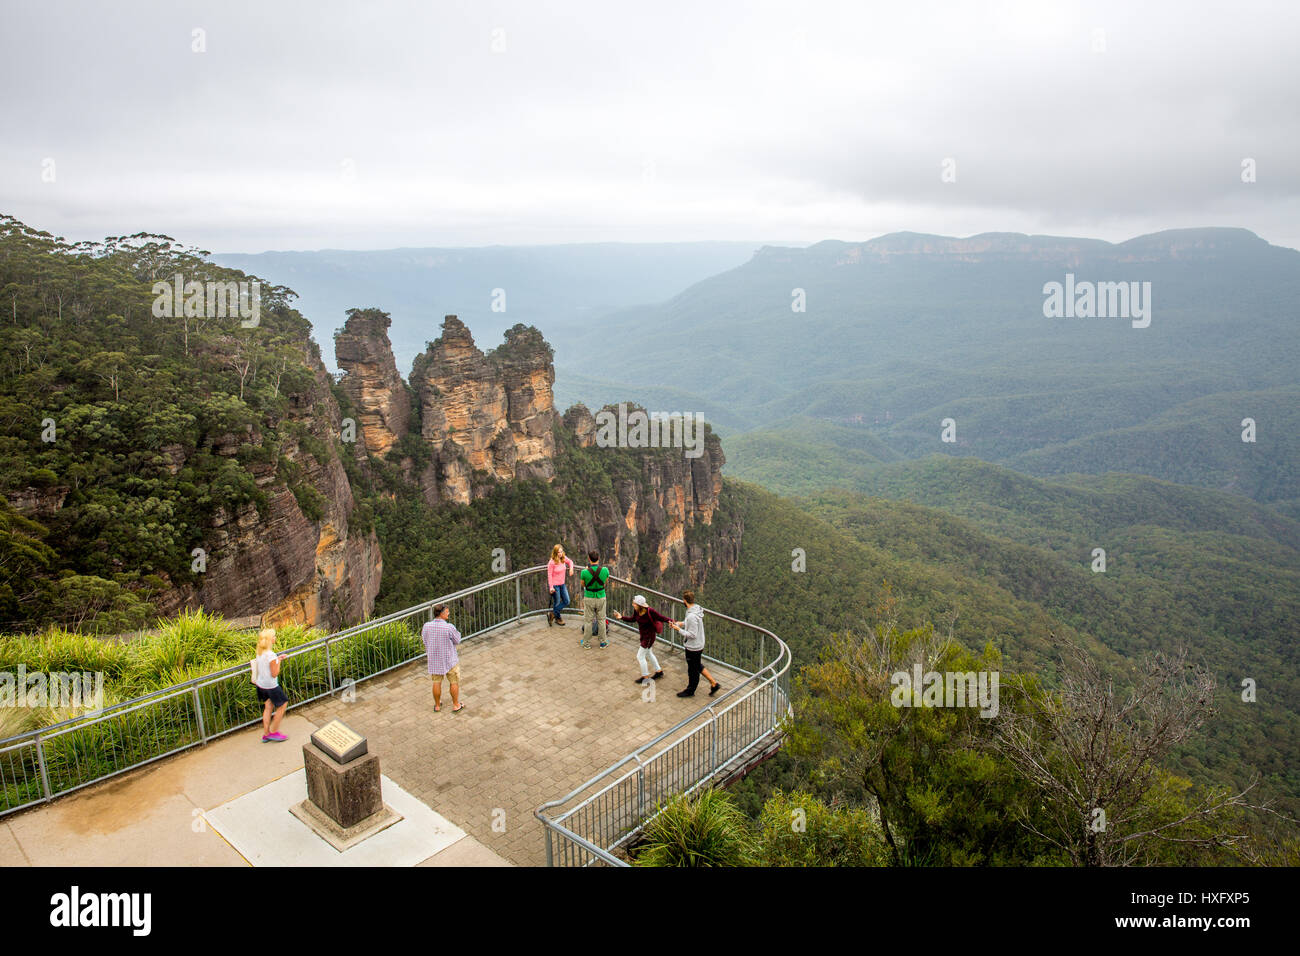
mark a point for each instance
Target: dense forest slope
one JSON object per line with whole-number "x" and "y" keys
{"x": 157, "y": 455}
{"x": 1231, "y": 597}
{"x": 891, "y": 337}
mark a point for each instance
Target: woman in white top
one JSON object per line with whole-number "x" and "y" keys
{"x": 266, "y": 676}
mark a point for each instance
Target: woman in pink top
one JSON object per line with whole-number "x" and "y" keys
{"x": 557, "y": 571}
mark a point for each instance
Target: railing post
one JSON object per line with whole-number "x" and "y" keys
{"x": 550, "y": 854}
{"x": 713, "y": 741}
{"x": 329, "y": 665}
{"x": 198, "y": 713}
{"x": 519, "y": 603}
{"x": 40, "y": 761}
{"x": 640, "y": 792}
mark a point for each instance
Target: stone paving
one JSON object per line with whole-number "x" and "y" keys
{"x": 542, "y": 715}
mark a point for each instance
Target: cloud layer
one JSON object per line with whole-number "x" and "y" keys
{"x": 323, "y": 124}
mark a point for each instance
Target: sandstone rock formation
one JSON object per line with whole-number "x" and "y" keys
{"x": 372, "y": 383}
{"x": 488, "y": 417}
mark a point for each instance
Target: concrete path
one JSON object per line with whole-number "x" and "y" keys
{"x": 542, "y": 715}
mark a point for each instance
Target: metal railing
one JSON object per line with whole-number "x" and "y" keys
{"x": 62, "y": 758}
{"x": 614, "y": 806}
{"x": 42, "y": 764}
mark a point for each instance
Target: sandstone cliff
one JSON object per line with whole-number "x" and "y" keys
{"x": 661, "y": 524}
{"x": 1018, "y": 247}
{"x": 284, "y": 564}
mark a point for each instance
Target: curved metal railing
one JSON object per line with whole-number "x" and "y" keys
{"x": 587, "y": 825}
{"x": 64, "y": 757}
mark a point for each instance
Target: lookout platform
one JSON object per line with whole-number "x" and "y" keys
{"x": 542, "y": 716}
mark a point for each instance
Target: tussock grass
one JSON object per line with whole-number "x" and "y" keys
{"x": 191, "y": 646}
{"x": 706, "y": 830}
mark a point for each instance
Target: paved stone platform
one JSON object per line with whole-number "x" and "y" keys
{"x": 542, "y": 716}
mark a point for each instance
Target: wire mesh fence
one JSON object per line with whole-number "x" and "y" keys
{"x": 67, "y": 756}
{"x": 619, "y": 802}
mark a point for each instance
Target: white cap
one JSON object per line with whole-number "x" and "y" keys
{"x": 640, "y": 599}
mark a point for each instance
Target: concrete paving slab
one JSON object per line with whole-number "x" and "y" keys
{"x": 11, "y": 851}
{"x": 261, "y": 828}
{"x": 466, "y": 852}
{"x": 169, "y": 832}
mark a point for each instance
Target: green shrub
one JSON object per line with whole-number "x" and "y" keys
{"x": 706, "y": 830}
{"x": 800, "y": 830}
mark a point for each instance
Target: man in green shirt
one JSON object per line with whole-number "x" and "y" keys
{"x": 594, "y": 577}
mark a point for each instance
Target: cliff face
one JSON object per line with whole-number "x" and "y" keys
{"x": 486, "y": 418}
{"x": 290, "y": 567}
{"x": 490, "y": 418}
{"x": 372, "y": 382}
{"x": 653, "y": 526}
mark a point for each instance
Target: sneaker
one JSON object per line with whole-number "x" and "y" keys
{"x": 714, "y": 689}
{"x": 583, "y": 643}
{"x": 265, "y": 737}
{"x": 559, "y": 620}
{"x": 658, "y": 674}
{"x": 603, "y": 644}
{"x": 640, "y": 680}
{"x": 276, "y": 737}
{"x": 686, "y": 693}
{"x": 550, "y": 618}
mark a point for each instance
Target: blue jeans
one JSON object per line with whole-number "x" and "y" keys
{"x": 561, "y": 600}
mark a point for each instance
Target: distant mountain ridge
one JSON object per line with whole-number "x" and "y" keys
{"x": 896, "y": 334}
{"x": 1206, "y": 242}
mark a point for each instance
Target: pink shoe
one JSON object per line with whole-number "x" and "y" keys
{"x": 276, "y": 737}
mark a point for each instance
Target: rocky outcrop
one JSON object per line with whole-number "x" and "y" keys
{"x": 581, "y": 424}
{"x": 490, "y": 418}
{"x": 371, "y": 380}
{"x": 33, "y": 502}
{"x": 526, "y": 365}
{"x": 487, "y": 418}
{"x": 660, "y": 523}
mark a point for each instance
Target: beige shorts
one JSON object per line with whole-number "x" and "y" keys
{"x": 453, "y": 676}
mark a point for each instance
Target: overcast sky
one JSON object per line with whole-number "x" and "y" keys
{"x": 372, "y": 125}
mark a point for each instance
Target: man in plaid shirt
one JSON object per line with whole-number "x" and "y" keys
{"x": 440, "y": 639}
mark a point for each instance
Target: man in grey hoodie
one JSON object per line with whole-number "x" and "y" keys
{"x": 692, "y": 630}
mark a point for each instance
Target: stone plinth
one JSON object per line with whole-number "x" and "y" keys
{"x": 345, "y": 793}
{"x": 345, "y": 803}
